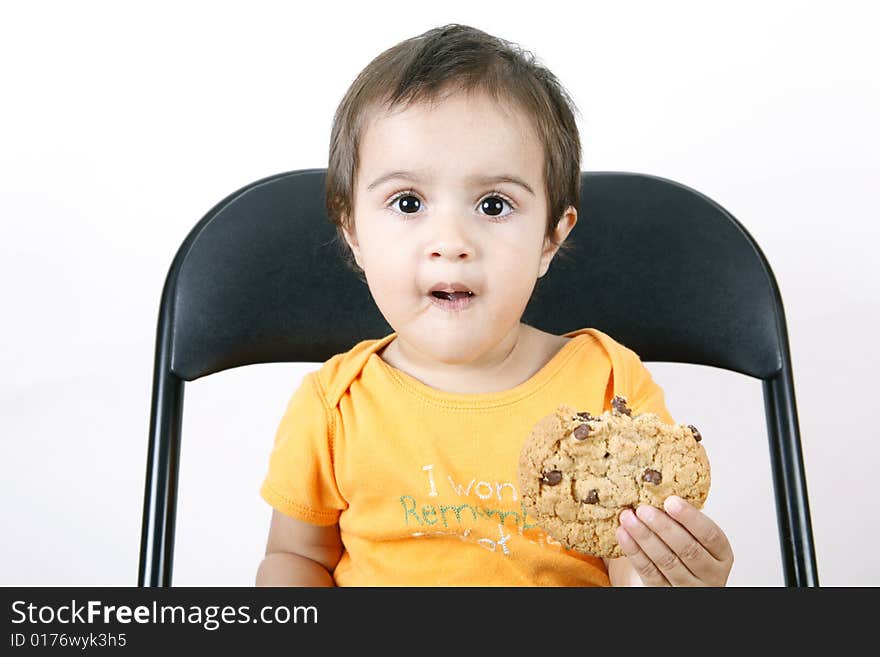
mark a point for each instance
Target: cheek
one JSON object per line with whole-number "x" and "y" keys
{"x": 517, "y": 260}
{"x": 388, "y": 273}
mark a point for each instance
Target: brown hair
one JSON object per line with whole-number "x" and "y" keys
{"x": 440, "y": 62}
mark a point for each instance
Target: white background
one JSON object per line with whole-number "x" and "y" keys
{"x": 121, "y": 124}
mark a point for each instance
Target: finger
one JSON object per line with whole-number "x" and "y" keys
{"x": 700, "y": 526}
{"x": 688, "y": 550}
{"x": 660, "y": 555}
{"x": 640, "y": 562}
{"x": 655, "y": 548}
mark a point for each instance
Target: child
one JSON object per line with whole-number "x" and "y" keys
{"x": 454, "y": 178}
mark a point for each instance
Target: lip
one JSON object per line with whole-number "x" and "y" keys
{"x": 450, "y": 287}
{"x": 453, "y": 305}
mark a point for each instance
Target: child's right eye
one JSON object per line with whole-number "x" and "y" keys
{"x": 410, "y": 205}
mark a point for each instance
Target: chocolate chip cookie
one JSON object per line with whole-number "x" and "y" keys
{"x": 578, "y": 472}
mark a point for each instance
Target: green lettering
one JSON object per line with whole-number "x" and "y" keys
{"x": 429, "y": 510}
{"x": 525, "y": 518}
{"x": 409, "y": 511}
{"x": 457, "y": 509}
{"x": 502, "y": 516}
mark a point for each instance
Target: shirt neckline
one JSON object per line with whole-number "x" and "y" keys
{"x": 482, "y": 399}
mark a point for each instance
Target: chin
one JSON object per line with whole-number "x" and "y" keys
{"x": 452, "y": 349}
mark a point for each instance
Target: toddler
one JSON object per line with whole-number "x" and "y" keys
{"x": 453, "y": 179}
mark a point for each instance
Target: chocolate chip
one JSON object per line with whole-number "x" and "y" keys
{"x": 696, "y": 433}
{"x": 651, "y": 476}
{"x": 619, "y": 405}
{"x": 552, "y": 478}
{"x": 592, "y": 497}
{"x": 585, "y": 415}
{"x": 582, "y": 431}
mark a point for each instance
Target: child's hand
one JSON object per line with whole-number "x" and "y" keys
{"x": 681, "y": 547}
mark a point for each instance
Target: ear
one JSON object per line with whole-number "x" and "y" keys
{"x": 351, "y": 240}
{"x": 563, "y": 228}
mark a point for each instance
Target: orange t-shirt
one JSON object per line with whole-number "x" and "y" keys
{"x": 423, "y": 482}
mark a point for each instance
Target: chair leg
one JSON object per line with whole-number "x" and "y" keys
{"x": 160, "y": 494}
{"x": 792, "y": 505}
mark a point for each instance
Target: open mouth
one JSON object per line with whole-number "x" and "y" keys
{"x": 453, "y": 302}
{"x": 452, "y": 295}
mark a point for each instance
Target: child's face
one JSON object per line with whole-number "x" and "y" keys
{"x": 449, "y": 226}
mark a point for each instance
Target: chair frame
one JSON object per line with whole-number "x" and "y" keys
{"x": 166, "y": 414}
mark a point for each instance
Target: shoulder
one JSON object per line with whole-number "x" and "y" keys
{"x": 336, "y": 375}
{"x": 628, "y": 375}
{"x": 621, "y": 357}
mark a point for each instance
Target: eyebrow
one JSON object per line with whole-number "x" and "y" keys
{"x": 482, "y": 180}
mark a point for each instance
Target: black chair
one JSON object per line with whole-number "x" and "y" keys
{"x": 258, "y": 278}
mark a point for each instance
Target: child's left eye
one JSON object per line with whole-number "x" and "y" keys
{"x": 492, "y": 201}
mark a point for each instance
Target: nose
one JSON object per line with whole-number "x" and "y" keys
{"x": 449, "y": 240}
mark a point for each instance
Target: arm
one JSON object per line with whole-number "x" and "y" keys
{"x": 299, "y": 553}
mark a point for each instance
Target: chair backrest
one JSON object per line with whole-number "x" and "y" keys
{"x": 662, "y": 268}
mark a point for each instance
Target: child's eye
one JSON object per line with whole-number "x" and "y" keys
{"x": 492, "y": 202}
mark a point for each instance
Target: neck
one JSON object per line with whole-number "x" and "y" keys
{"x": 504, "y": 366}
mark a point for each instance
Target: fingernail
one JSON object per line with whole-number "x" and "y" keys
{"x": 673, "y": 504}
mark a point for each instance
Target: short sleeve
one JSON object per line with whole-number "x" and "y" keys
{"x": 300, "y": 481}
{"x": 642, "y": 392}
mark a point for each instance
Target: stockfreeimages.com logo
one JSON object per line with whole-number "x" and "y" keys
{"x": 210, "y": 617}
